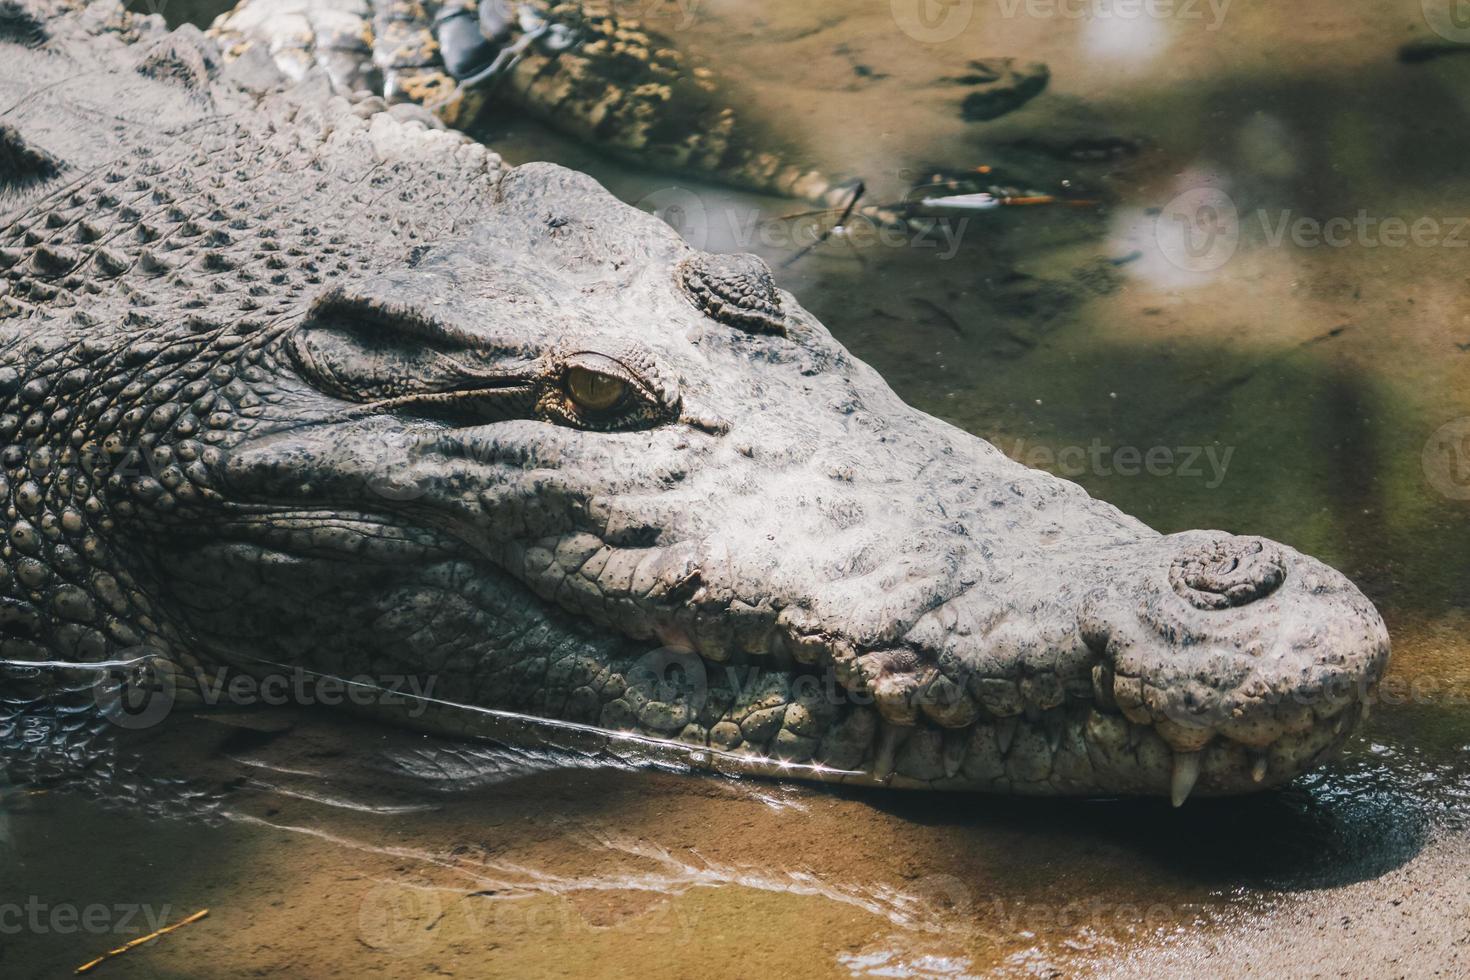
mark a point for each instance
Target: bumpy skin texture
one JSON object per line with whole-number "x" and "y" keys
{"x": 297, "y": 382}
{"x": 619, "y": 86}
{"x": 609, "y": 80}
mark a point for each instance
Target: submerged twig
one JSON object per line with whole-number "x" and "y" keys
{"x": 89, "y": 967}
{"x": 857, "y": 195}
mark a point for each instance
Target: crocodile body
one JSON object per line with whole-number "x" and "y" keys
{"x": 287, "y": 380}
{"x": 613, "y": 82}
{"x": 605, "y": 80}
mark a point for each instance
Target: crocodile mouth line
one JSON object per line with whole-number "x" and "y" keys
{"x": 799, "y": 700}
{"x": 1081, "y": 749}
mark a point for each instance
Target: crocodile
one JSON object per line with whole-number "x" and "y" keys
{"x": 614, "y": 82}
{"x": 288, "y": 382}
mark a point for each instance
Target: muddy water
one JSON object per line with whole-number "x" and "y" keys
{"x": 1289, "y": 386}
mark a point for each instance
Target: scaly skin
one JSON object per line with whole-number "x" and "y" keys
{"x": 622, "y": 86}
{"x": 286, "y": 381}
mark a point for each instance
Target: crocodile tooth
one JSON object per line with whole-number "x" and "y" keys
{"x": 1005, "y": 733}
{"x": 890, "y": 740}
{"x": 1055, "y": 722}
{"x": 956, "y": 744}
{"x": 1258, "y": 769}
{"x": 1186, "y": 773}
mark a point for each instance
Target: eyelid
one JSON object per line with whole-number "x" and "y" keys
{"x": 339, "y": 309}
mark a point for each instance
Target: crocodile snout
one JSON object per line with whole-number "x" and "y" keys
{"x": 1215, "y": 639}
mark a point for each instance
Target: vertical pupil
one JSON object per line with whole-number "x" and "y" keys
{"x": 593, "y": 390}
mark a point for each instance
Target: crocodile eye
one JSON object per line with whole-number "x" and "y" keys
{"x": 593, "y": 391}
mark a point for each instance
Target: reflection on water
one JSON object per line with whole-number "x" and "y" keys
{"x": 1283, "y": 388}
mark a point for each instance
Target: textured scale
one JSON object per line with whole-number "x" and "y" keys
{"x": 621, "y": 87}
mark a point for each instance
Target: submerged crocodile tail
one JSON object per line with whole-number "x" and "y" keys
{"x": 631, "y": 92}
{"x": 597, "y": 77}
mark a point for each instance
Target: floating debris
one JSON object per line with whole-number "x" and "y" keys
{"x": 89, "y": 967}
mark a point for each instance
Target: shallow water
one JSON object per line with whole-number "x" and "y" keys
{"x": 1293, "y": 390}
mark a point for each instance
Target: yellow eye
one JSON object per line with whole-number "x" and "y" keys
{"x": 593, "y": 391}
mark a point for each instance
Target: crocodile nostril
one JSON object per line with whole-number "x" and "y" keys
{"x": 1226, "y": 572}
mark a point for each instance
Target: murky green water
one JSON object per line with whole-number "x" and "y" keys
{"x": 1314, "y": 393}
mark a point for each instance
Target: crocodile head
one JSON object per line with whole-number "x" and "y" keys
{"x": 574, "y": 469}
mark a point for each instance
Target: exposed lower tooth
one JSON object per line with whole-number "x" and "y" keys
{"x": 1005, "y": 733}
{"x": 890, "y": 738}
{"x": 1055, "y": 721}
{"x": 1258, "y": 769}
{"x": 1186, "y": 774}
{"x": 956, "y": 741}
